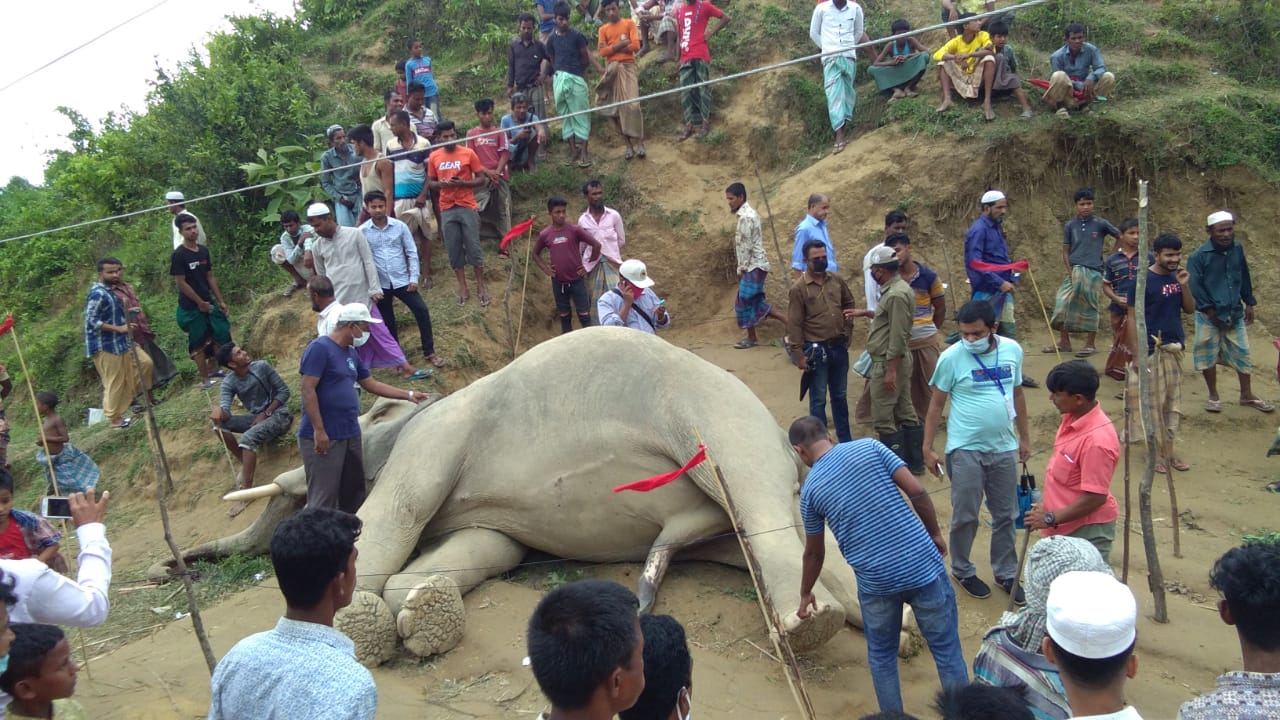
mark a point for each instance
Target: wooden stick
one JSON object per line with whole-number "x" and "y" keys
{"x": 231, "y": 463}
{"x": 785, "y": 261}
{"x": 1155, "y": 577}
{"x": 524, "y": 285}
{"x": 1022, "y": 563}
{"x": 1043, "y": 311}
{"x": 1128, "y": 503}
{"x": 506, "y": 299}
{"x": 1166, "y": 450}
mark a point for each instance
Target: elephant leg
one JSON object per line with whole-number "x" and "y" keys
{"x": 678, "y": 532}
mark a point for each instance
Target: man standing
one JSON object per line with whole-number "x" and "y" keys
{"x": 489, "y": 143}
{"x": 633, "y": 303}
{"x": 341, "y": 176}
{"x": 177, "y": 207}
{"x": 892, "y": 414}
{"x": 381, "y": 127}
{"x": 1077, "y": 68}
{"x": 981, "y": 375}
{"x": 454, "y": 171}
{"x": 526, "y": 142}
{"x": 1167, "y": 298}
{"x": 692, "y": 17}
{"x": 856, "y": 489}
{"x": 396, "y": 260}
{"x": 302, "y": 667}
{"x": 163, "y": 369}
{"x": 106, "y": 342}
{"x": 984, "y": 242}
{"x": 376, "y": 171}
{"x": 1223, "y": 292}
{"x": 265, "y": 395}
{"x": 750, "y": 306}
{"x": 836, "y": 27}
{"x": 1246, "y": 577}
{"x": 820, "y": 315}
{"x": 1091, "y": 628}
{"x": 929, "y": 311}
{"x": 813, "y": 227}
{"x": 895, "y": 221}
{"x": 418, "y": 69}
{"x": 423, "y": 119}
{"x": 329, "y": 434}
{"x": 290, "y": 253}
{"x": 206, "y": 324}
{"x": 605, "y": 225}
{"x": 525, "y": 59}
{"x": 567, "y": 244}
{"x": 1078, "y": 306}
{"x": 408, "y": 154}
{"x": 1077, "y": 480}
{"x": 567, "y": 49}
{"x": 618, "y": 42}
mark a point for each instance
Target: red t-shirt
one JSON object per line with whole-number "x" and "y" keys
{"x": 691, "y": 21}
{"x": 490, "y": 148}
{"x": 12, "y": 544}
{"x": 567, "y": 243}
{"x": 463, "y": 163}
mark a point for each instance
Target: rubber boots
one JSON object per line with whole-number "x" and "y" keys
{"x": 913, "y": 440}
{"x": 895, "y": 442}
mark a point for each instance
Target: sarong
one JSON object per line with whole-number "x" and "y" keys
{"x": 837, "y": 80}
{"x": 695, "y": 102}
{"x": 621, "y": 81}
{"x": 75, "y": 471}
{"x": 890, "y": 77}
{"x": 381, "y": 350}
{"x": 1120, "y": 356}
{"x": 571, "y": 96}
{"x": 602, "y": 278}
{"x": 965, "y": 84}
{"x": 1218, "y": 346}
{"x": 1003, "y": 305}
{"x": 1078, "y": 306}
{"x": 1166, "y": 395}
{"x": 1004, "y": 79}
{"x": 203, "y": 327}
{"x": 750, "y": 306}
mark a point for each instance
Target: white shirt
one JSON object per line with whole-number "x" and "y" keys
{"x": 177, "y": 235}
{"x": 833, "y": 29}
{"x": 1129, "y": 713}
{"x": 870, "y": 287}
{"x": 325, "y": 323}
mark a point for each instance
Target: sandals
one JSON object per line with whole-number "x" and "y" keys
{"x": 838, "y": 148}
{"x": 744, "y": 343}
{"x": 640, "y": 151}
{"x": 462, "y": 299}
{"x": 1054, "y": 349}
{"x": 420, "y": 374}
{"x": 484, "y": 298}
{"x": 435, "y": 360}
{"x": 1273, "y": 487}
{"x": 1213, "y": 406}
{"x": 629, "y": 153}
{"x": 1087, "y": 352}
{"x": 1259, "y": 404}
{"x": 123, "y": 424}
{"x": 688, "y": 132}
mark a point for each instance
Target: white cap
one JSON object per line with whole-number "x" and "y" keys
{"x": 1218, "y": 217}
{"x": 992, "y": 196}
{"x": 355, "y": 312}
{"x": 1091, "y": 614}
{"x": 175, "y": 196}
{"x": 881, "y": 255}
{"x": 636, "y": 273}
{"x": 317, "y": 210}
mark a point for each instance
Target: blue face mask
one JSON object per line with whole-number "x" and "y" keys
{"x": 977, "y": 347}
{"x": 4, "y": 664}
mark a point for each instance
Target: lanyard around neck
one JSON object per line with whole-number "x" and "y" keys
{"x": 992, "y": 372}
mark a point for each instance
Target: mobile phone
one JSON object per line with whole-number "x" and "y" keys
{"x": 56, "y": 507}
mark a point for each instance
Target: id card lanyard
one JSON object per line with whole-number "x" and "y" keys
{"x": 993, "y": 374}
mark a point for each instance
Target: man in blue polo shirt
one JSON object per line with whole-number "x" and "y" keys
{"x": 896, "y": 554}
{"x": 813, "y": 227}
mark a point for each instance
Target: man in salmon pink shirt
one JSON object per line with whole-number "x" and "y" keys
{"x": 1077, "y": 482}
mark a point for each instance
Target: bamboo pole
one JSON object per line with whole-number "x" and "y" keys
{"x": 1128, "y": 502}
{"x": 1045, "y": 312}
{"x": 1155, "y": 577}
{"x": 784, "y": 262}
{"x": 506, "y": 298}
{"x": 524, "y": 285}
{"x": 1166, "y": 451}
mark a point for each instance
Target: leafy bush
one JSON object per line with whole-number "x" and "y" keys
{"x": 287, "y": 161}
{"x": 1144, "y": 77}
{"x": 1233, "y": 130}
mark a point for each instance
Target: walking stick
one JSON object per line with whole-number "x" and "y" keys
{"x": 506, "y": 297}
{"x": 773, "y": 229}
{"x": 524, "y": 285}
{"x": 1040, "y": 299}
{"x": 1022, "y": 564}
{"x": 1128, "y": 430}
{"x": 1166, "y": 451}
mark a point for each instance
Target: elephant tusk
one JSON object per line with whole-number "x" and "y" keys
{"x": 253, "y": 493}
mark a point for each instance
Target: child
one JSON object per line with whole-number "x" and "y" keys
{"x": 967, "y": 64}
{"x": 900, "y": 65}
{"x": 1078, "y": 305}
{"x": 1119, "y": 274}
{"x": 75, "y": 472}
{"x": 418, "y": 68}
{"x": 41, "y": 675}
{"x": 402, "y": 87}
{"x": 525, "y": 142}
{"x": 1006, "y": 80}
{"x": 25, "y": 535}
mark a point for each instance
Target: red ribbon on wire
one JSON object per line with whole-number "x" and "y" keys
{"x": 515, "y": 232}
{"x": 980, "y": 266}
{"x": 659, "y": 480}
{"x": 7, "y": 325}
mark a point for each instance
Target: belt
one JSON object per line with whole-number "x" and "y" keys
{"x": 839, "y": 341}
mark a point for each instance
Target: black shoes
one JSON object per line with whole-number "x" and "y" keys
{"x": 975, "y": 587}
{"x": 1014, "y": 588}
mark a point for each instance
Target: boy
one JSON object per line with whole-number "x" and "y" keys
{"x": 568, "y": 275}
{"x": 74, "y": 470}
{"x": 206, "y": 324}
{"x": 525, "y": 142}
{"x": 967, "y": 64}
{"x": 493, "y": 199}
{"x": 41, "y": 676}
{"x": 1119, "y": 274}
{"x": 26, "y": 535}
{"x": 1079, "y": 302}
{"x": 567, "y": 51}
{"x": 1005, "y": 78}
{"x": 418, "y": 68}
{"x": 1167, "y": 299}
{"x": 1091, "y": 627}
{"x": 265, "y": 396}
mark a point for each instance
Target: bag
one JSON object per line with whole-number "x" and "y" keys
{"x": 1026, "y": 496}
{"x": 862, "y": 366}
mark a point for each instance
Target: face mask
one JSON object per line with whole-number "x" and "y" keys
{"x": 357, "y": 342}
{"x": 689, "y": 699}
{"x": 977, "y": 347}
{"x": 818, "y": 264}
{"x": 4, "y": 664}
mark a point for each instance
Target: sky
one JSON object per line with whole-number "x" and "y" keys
{"x": 102, "y": 77}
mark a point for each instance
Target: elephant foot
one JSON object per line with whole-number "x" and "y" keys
{"x": 369, "y": 624}
{"x": 814, "y": 631}
{"x": 432, "y": 617}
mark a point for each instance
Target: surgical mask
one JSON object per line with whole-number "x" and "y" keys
{"x": 977, "y": 347}
{"x": 4, "y": 664}
{"x": 818, "y": 264}
{"x": 364, "y": 338}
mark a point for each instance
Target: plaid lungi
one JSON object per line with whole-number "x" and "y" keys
{"x": 1215, "y": 345}
{"x": 1003, "y": 305}
{"x": 602, "y": 278}
{"x": 1078, "y": 306}
{"x": 1166, "y": 392}
{"x": 750, "y": 306}
{"x": 837, "y": 80}
{"x": 75, "y": 471}
{"x": 695, "y": 102}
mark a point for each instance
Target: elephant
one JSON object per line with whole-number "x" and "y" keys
{"x": 527, "y": 458}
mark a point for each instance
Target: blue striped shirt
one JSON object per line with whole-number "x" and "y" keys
{"x": 103, "y": 307}
{"x": 851, "y": 488}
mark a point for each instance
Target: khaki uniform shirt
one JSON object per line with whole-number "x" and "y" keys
{"x": 891, "y": 327}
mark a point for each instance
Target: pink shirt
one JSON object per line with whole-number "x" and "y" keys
{"x": 489, "y": 148}
{"x": 608, "y": 232}
{"x": 1085, "y": 452}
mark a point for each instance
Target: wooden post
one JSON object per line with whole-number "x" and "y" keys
{"x": 1166, "y": 450}
{"x": 1128, "y": 502}
{"x": 1155, "y": 577}
{"x": 783, "y": 260}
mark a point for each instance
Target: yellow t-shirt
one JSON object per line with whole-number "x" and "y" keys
{"x": 957, "y": 46}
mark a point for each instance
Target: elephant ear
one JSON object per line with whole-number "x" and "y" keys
{"x": 369, "y": 624}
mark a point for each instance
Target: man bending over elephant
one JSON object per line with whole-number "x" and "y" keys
{"x": 896, "y": 556}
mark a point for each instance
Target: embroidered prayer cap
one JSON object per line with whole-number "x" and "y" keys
{"x": 992, "y": 196}
{"x": 1218, "y": 217}
{"x": 174, "y": 196}
{"x": 636, "y": 273}
{"x": 331, "y": 130}
{"x": 317, "y": 210}
{"x": 1091, "y": 614}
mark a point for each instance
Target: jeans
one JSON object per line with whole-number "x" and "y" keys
{"x": 935, "y": 609}
{"x": 416, "y": 306}
{"x": 974, "y": 474}
{"x": 577, "y": 292}
{"x": 346, "y": 216}
{"x": 829, "y": 370}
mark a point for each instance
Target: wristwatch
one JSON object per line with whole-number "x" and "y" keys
{"x": 1050, "y": 519}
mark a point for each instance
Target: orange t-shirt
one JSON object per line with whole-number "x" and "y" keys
{"x": 611, "y": 33}
{"x": 461, "y": 163}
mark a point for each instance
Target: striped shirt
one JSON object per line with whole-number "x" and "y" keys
{"x": 410, "y": 166}
{"x": 851, "y": 489}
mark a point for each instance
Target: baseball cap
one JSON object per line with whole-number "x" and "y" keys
{"x": 174, "y": 195}
{"x": 1091, "y": 614}
{"x": 317, "y": 210}
{"x": 882, "y": 255}
{"x": 355, "y": 312}
{"x": 636, "y": 273}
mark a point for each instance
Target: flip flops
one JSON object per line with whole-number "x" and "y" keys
{"x": 744, "y": 343}
{"x": 1087, "y": 352}
{"x": 1259, "y": 404}
{"x": 420, "y": 374}
{"x": 1213, "y": 406}
{"x": 123, "y": 424}
{"x": 436, "y": 360}
{"x": 1053, "y": 349}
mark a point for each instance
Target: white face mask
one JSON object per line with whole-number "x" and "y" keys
{"x": 364, "y": 338}
{"x": 977, "y": 347}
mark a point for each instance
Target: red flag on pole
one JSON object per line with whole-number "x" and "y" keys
{"x": 659, "y": 480}
{"x": 7, "y": 325}
{"x": 980, "y": 266}
{"x": 516, "y": 232}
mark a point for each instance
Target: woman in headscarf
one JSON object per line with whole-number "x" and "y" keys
{"x": 1010, "y": 655}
